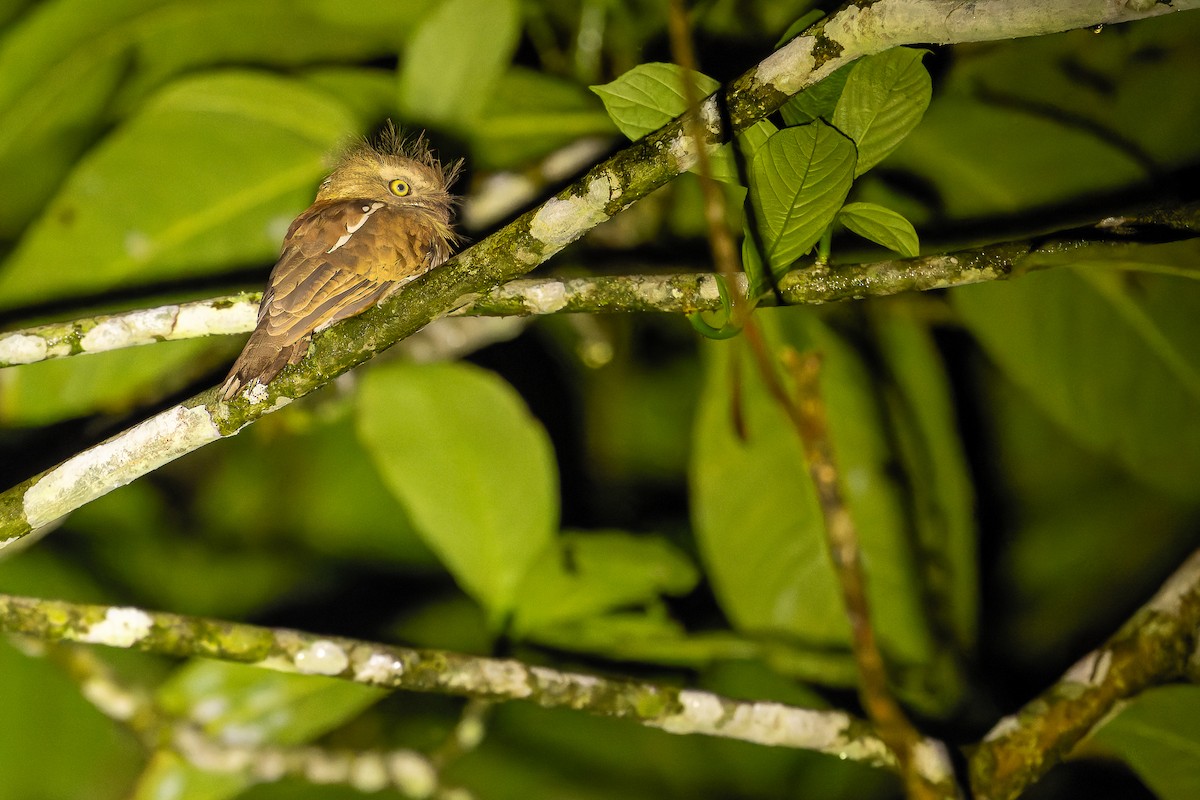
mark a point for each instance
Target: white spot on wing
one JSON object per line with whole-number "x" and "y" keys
{"x": 352, "y": 228}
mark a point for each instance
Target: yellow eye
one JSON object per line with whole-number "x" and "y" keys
{"x": 398, "y": 187}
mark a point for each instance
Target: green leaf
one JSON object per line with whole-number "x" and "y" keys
{"x": 112, "y": 382}
{"x": 455, "y": 60}
{"x": 73, "y": 67}
{"x": 752, "y": 139}
{"x": 338, "y": 508}
{"x": 91, "y": 757}
{"x": 529, "y": 114}
{"x": 921, "y": 406}
{"x": 817, "y": 101}
{"x": 883, "y": 100}
{"x": 752, "y": 263}
{"x": 368, "y": 93}
{"x": 1113, "y": 357}
{"x": 755, "y": 511}
{"x": 282, "y": 708}
{"x": 232, "y": 576}
{"x": 209, "y": 174}
{"x": 231, "y": 702}
{"x": 882, "y": 226}
{"x": 647, "y": 637}
{"x": 989, "y": 160}
{"x": 1158, "y": 734}
{"x": 649, "y": 96}
{"x": 1177, "y": 259}
{"x": 476, "y": 472}
{"x": 168, "y": 773}
{"x": 798, "y": 181}
{"x": 587, "y": 574}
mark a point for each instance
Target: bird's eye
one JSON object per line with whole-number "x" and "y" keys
{"x": 398, "y": 187}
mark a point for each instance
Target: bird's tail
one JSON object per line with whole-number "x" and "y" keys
{"x": 260, "y": 361}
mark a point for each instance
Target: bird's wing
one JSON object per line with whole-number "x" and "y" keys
{"x": 338, "y": 259}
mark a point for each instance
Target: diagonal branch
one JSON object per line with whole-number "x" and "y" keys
{"x": 853, "y": 31}
{"x": 1157, "y": 645}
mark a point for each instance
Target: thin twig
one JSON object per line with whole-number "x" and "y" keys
{"x": 720, "y": 238}
{"x": 882, "y": 708}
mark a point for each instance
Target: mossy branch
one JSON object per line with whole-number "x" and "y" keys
{"x": 1159, "y": 644}
{"x": 673, "y": 293}
{"x": 679, "y": 711}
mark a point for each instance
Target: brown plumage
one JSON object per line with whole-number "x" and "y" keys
{"x": 380, "y": 219}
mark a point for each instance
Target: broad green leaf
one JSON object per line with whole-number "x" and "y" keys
{"x": 882, "y": 226}
{"x": 169, "y": 774}
{"x": 56, "y": 77}
{"x": 280, "y": 708}
{"x": 456, "y": 59}
{"x": 1158, "y": 734}
{"x": 1113, "y": 357}
{"x": 921, "y": 405}
{"x": 209, "y": 174}
{"x": 645, "y": 637}
{"x": 369, "y": 93}
{"x": 92, "y": 755}
{"x": 984, "y": 160}
{"x": 338, "y": 507}
{"x": 584, "y": 575}
{"x": 1177, "y": 259}
{"x": 240, "y": 703}
{"x": 529, "y": 114}
{"x": 751, "y": 140}
{"x": 476, "y": 472}
{"x": 70, "y": 67}
{"x": 113, "y": 382}
{"x": 883, "y": 100}
{"x": 817, "y": 101}
{"x": 207, "y": 574}
{"x": 1099, "y": 84}
{"x": 182, "y": 36}
{"x": 798, "y": 181}
{"x": 752, "y": 264}
{"x": 755, "y": 512}
{"x": 649, "y": 96}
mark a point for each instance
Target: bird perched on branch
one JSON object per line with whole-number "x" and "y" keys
{"x": 381, "y": 219}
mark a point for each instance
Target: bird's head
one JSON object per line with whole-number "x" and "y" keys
{"x": 402, "y": 173}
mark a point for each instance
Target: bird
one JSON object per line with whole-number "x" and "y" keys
{"x": 382, "y": 218}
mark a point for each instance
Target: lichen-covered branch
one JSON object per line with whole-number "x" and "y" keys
{"x": 853, "y": 31}
{"x": 673, "y": 710}
{"x": 98, "y": 334}
{"x": 678, "y": 292}
{"x": 1160, "y": 643}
